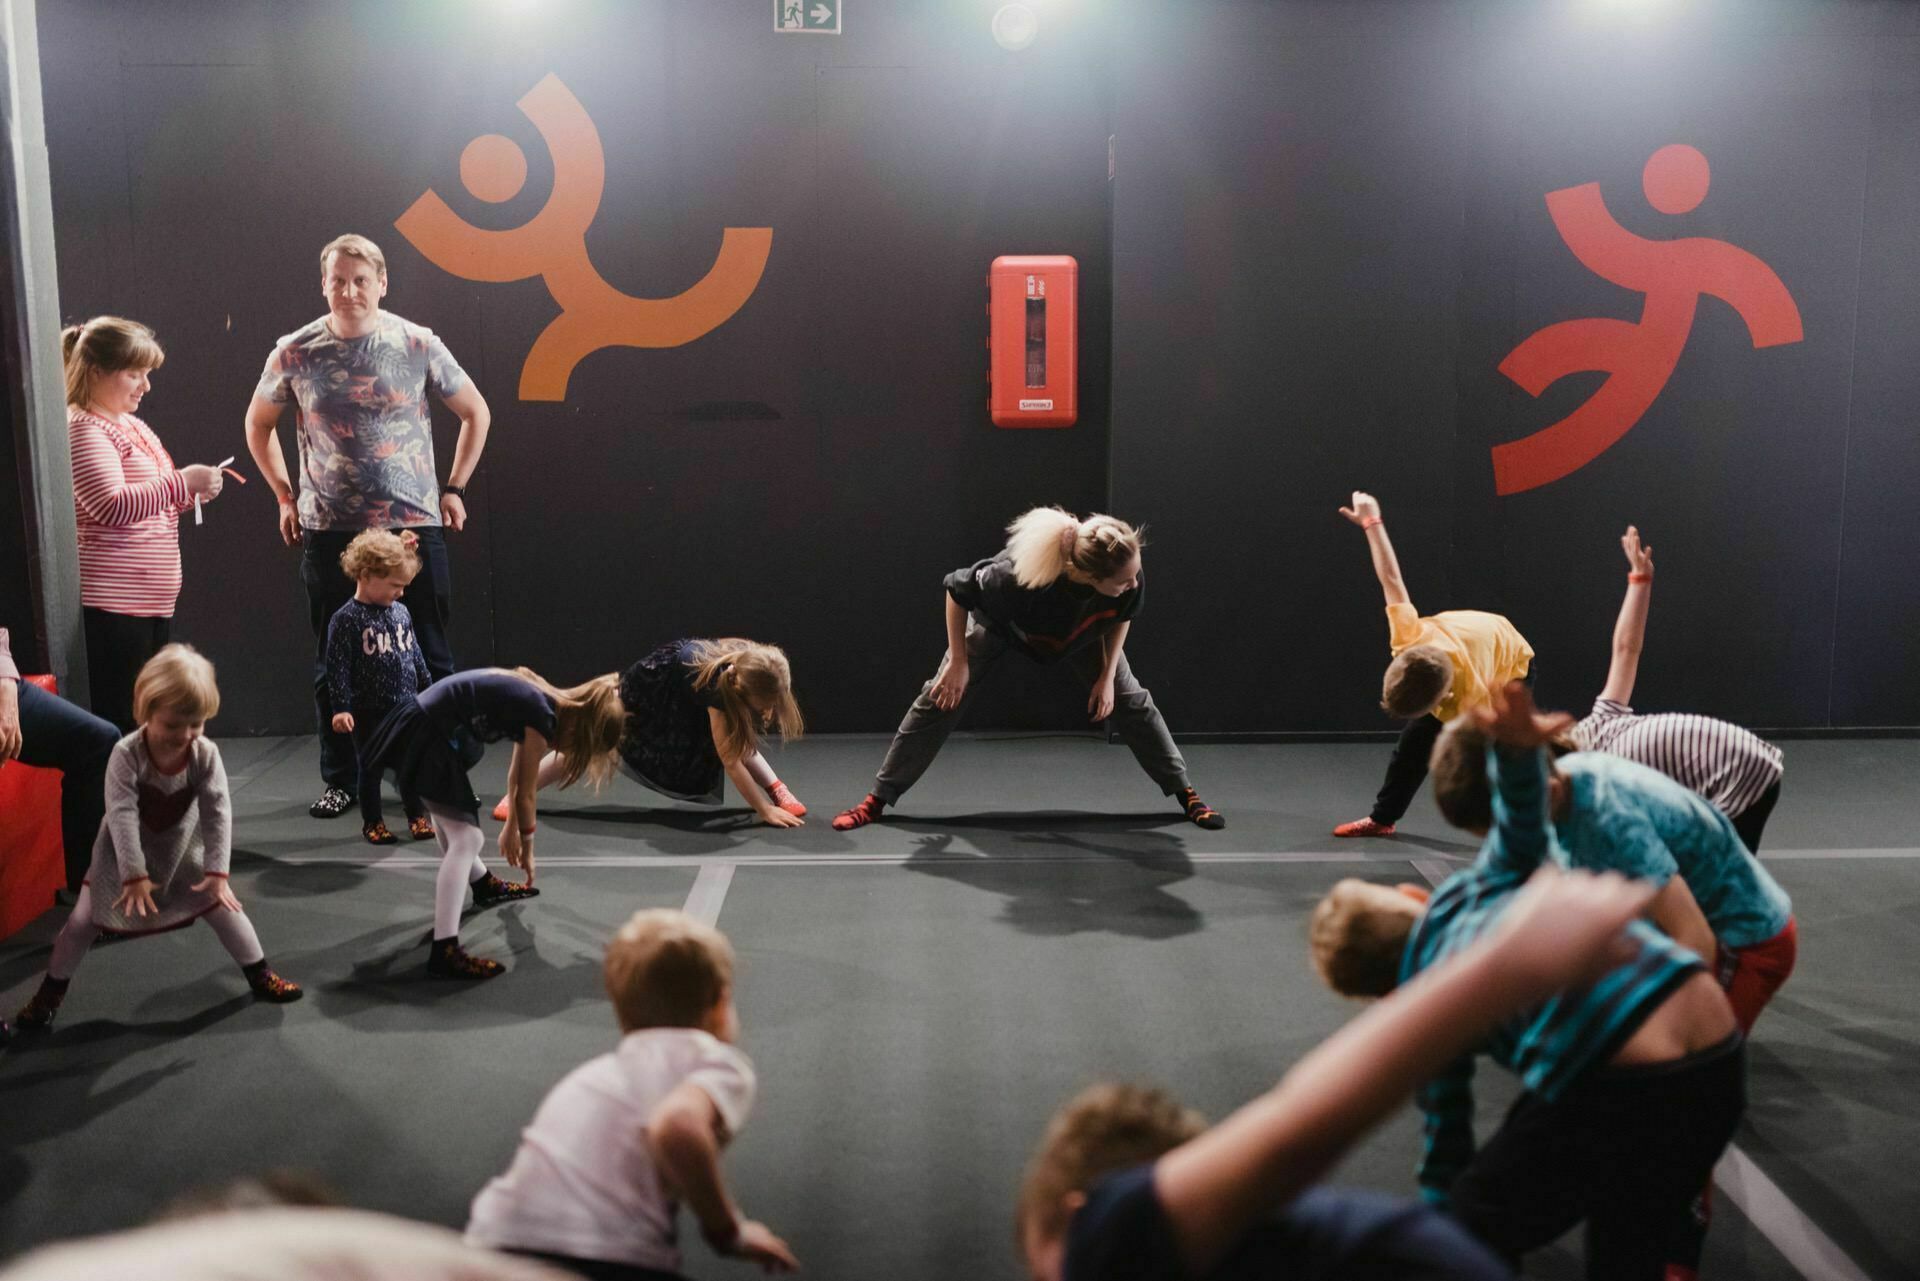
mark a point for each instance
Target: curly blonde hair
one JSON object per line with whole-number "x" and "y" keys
{"x": 380, "y": 553}
{"x": 1357, "y": 936}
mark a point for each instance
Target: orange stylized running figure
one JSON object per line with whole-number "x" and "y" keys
{"x": 1638, "y": 358}
{"x": 553, "y": 245}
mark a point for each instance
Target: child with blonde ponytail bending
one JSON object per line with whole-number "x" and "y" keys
{"x": 431, "y": 740}
{"x": 695, "y": 713}
{"x": 1063, "y": 589}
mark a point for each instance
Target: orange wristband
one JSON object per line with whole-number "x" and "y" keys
{"x": 1370, "y": 522}
{"x": 1638, "y": 577}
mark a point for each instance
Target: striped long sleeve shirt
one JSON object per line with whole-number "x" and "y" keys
{"x": 1549, "y": 1046}
{"x": 128, "y": 497}
{"x": 1728, "y": 765}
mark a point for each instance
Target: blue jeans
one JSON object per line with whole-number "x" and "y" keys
{"x": 429, "y": 599}
{"x": 56, "y": 734}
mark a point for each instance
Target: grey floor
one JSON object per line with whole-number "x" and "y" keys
{"x": 918, "y": 996}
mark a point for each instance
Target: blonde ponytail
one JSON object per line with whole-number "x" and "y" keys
{"x": 1045, "y": 542}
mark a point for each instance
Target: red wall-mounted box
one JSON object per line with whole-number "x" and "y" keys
{"x": 1033, "y": 367}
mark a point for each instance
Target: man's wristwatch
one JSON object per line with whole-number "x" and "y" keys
{"x": 458, "y": 491}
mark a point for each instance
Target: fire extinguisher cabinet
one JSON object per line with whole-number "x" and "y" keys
{"x": 1033, "y": 366}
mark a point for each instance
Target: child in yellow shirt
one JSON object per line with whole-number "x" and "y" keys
{"x": 1443, "y": 665}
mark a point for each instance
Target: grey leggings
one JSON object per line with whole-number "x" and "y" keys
{"x": 925, "y": 728}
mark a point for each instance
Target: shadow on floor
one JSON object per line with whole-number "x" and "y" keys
{"x": 1054, "y": 898}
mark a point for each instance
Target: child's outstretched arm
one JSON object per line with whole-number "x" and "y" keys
{"x": 1630, "y": 629}
{"x": 1365, "y": 513}
{"x": 1561, "y": 931}
{"x": 1517, "y": 774}
{"x": 743, "y": 781}
{"x": 683, "y": 1134}
{"x": 523, "y": 785}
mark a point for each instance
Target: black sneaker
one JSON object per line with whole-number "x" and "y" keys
{"x": 333, "y": 802}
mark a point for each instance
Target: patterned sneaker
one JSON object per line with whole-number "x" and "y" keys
{"x": 1364, "y": 827}
{"x": 269, "y": 986}
{"x": 490, "y": 889}
{"x": 860, "y": 815}
{"x": 451, "y": 961}
{"x": 1199, "y": 812}
{"x": 333, "y": 802}
{"x": 421, "y": 828}
{"x": 783, "y": 796}
{"x": 378, "y": 834}
{"x": 500, "y": 811}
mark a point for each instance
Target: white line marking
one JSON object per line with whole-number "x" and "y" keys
{"x": 403, "y": 861}
{"x": 1796, "y": 1236}
{"x": 1435, "y": 870}
{"x": 709, "y": 892}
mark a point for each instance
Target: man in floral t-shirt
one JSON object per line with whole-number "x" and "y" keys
{"x": 361, "y": 376}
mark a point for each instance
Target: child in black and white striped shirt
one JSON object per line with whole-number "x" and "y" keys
{"x": 1732, "y": 767}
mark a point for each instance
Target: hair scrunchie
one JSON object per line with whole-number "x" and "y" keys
{"x": 1069, "y": 535}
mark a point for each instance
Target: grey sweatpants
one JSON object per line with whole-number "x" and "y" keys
{"x": 1135, "y": 719}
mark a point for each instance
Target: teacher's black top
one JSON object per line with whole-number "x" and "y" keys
{"x": 1045, "y": 623}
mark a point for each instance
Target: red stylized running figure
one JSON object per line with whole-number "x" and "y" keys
{"x": 1637, "y": 357}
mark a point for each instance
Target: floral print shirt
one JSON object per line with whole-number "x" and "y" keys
{"x": 366, "y": 442}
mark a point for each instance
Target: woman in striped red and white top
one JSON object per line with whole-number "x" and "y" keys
{"x": 1730, "y": 766}
{"x": 128, "y": 497}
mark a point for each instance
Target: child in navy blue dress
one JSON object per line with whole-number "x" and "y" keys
{"x": 431, "y": 740}
{"x": 374, "y": 661}
{"x": 695, "y": 712}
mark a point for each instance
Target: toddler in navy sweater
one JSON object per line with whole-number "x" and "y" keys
{"x": 374, "y": 662}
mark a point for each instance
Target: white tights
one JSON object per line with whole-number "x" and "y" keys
{"x": 233, "y": 929}
{"x": 460, "y": 841}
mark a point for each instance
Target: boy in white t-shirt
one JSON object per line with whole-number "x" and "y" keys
{"x": 615, "y": 1148}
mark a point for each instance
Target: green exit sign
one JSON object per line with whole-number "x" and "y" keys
{"x": 808, "y": 17}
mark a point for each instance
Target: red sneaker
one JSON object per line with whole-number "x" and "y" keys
{"x": 783, "y": 796}
{"x": 1364, "y": 827}
{"x": 860, "y": 815}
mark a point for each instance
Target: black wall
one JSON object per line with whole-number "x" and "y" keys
{"x": 203, "y": 152}
{"x": 1327, "y": 229}
{"x": 1326, "y": 244}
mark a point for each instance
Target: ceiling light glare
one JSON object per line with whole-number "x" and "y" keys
{"x": 1015, "y": 26}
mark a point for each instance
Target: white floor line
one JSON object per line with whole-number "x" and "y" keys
{"x": 405, "y": 861}
{"x": 1798, "y": 1238}
{"x": 709, "y": 892}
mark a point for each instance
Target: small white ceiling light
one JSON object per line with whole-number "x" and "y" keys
{"x": 1015, "y": 26}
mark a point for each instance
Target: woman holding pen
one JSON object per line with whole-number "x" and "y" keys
{"x": 128, "y": 496}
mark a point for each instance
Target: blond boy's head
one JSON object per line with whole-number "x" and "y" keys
{"x": 1417, "y": 679}
{"x": 666, "y": 969}
{"x": 1102, "y": 1129}
{"x": 1358, "y": 935}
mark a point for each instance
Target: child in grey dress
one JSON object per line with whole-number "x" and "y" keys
{"x": 160, "y": 861}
